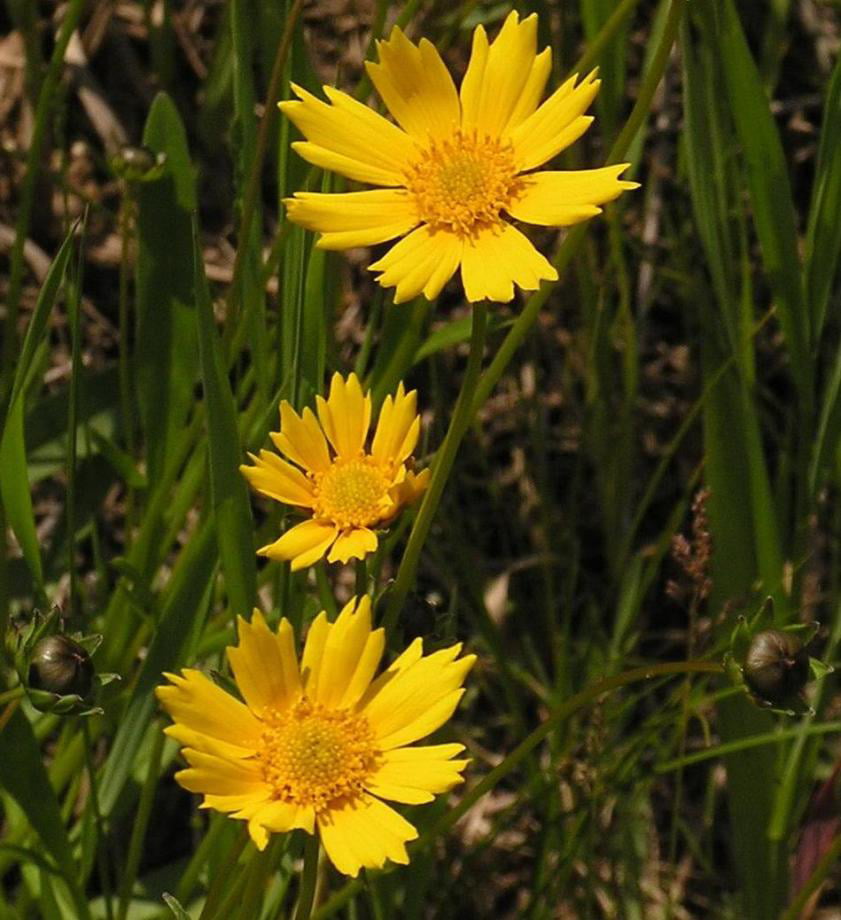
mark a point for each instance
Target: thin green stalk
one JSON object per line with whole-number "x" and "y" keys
{"x": 223, "y": 877}
{"x": 43, "y": 113}
{"x": 101, "y": 851}
{"x": 252, "y": 189}
{"x": 124, "y": 367}
{"x": 575, "y": 237}
{"x": 309, "y": 877}
{"x": 558, "y": 715}
{"x": 361, "y": 577}
{"x": 9, "y": 695}
{"x": 459, "y": 423}
{"x": 189, "y": 877}
{"x": 74, "y": 309}
{"x": 141, "y": 822}
{"x": 607, "y": 32}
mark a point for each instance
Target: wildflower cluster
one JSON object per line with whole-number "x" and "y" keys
{"x": 320, "y": 743}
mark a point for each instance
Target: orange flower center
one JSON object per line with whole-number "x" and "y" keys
{"x": 463, "y": 183}
{"x": 312, "y": 755}
{"x": 352, "y": 493}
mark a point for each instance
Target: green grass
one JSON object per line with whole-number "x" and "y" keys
{"x": 691, "y": 342}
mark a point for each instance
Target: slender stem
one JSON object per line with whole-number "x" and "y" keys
{"x": 309, "y": 876}
{"x": 606, "y": 33}
{"x": 7, "y": 696}
{"x": 361, "y": 577}
{"x": 74, "y": 309}
{"x": 252, "y": 189}
{"x": 223, "y": 877}
{"x": 459, "y": 423}
{"x": 126, "y": 403}
{"x": 43, "y": 112}
{"x": 516, "y": 757}
{"x": 575, "y": 237}
{"x": 141, "y": 822}
{"x": 101, "y": 853}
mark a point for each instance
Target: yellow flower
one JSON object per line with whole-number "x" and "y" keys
{"x": 454, "y": 166}
{"x": 319, "y": 746}
{"x": 347, "y": 488}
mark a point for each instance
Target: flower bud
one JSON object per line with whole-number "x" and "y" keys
{"x": 776, "y": 666}
{"x": 138, "y": 164}
{"x": 61, "y": 666}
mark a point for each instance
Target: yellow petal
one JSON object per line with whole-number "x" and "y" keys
{"x": 366, "y": 667}
{"x": 496, "y": 79}
{"x": 531, "y": 92}
{"x": 409, "y": 489}
{"x": 303, "y": 545}
{"x": 398, "y": 427}
{"x": 345, "y": 415}
{"x": 353, "y": 544}
{"x": 276, "y": 479}
{"x": 264, "y": 672}
{"x": 498, "y": 258}
{"x": 188, "y": 737}
{"x": 196, "y": 702}
{"x": 344, "y": 643}
{"x": 421, "y": 262}
{"x": 364, "y": 834}
{"x": 419, "y": 699}
{"x": 556, "y": 124}
{"x": 280, "y": 817}
{"x": 354, "y": 218}
{"x": 416, "y": 87}
{"x": 559, "y": 199}
{"x": 314, "y": 653}
{"x": 416, "y": 774}
{"x": 302, "y": 440}
{"x": 366, "y": 146}
{"x": 218, "y": 776}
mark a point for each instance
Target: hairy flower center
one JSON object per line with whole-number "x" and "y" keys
{"x": 312, "y": 755}
{"x": 463, "y": 183}
{"x": 351, "y": 493}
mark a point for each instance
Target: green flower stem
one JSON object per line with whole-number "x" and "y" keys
{"x": 101, "y": 851}
{"x": 8, "y": 696}
{"x": 141, "y": 822}
{"x": 252, "y": 189}
{"x": 189, "y": 877}
{"x": 44, "y": 113}
{"x": 607, "y": 32}
{"x": 575, "y": 237}
{"x": 309, "y": 877}
{"x": 223, "y": 880}
{"x": 459, "y": 423}
{"x": 516, "y": 757}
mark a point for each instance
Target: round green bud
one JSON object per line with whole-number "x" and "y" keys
{"x": 776, "y": 666}
{"x": 60, "y": 665}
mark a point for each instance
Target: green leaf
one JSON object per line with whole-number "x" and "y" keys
{"x": 768, "y": 184}
{"x": 14, "y": 483}
{"x": 178, "y": 911}
{"x": 228, "y": 491}
{"x": 166, "y": 354}
{"x": 823, "y": 235}
{"x": 23, "y": 776}
{"x": 182, "y": 620}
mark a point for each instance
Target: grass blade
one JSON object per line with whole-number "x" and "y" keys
{"x": 166, "y": 365}
{"x": 228, "y": 491}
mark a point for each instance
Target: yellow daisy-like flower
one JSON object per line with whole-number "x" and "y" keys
{"x": 320, "y": 745}
{"x": 454, "y": 166}
{"x": 347, "y": 488}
